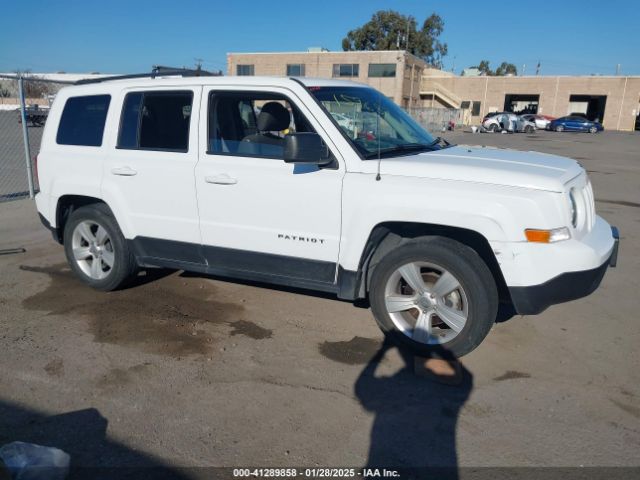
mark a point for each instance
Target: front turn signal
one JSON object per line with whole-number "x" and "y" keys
{"x": 547, "y": 236}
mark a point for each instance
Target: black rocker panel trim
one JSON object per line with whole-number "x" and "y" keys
{"x": 241, "y": 264}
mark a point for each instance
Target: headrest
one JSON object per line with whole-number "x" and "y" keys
{"x": 273, "y": 118}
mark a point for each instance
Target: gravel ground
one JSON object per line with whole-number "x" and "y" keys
{"x": 188, "y": 371}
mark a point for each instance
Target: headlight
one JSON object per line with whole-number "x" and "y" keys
{"x": 573, "y": 208}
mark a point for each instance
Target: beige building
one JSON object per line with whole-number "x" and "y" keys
{"x": 410, "y": 82}
{"x": 395, "y": 73}
{"x": 615, "y": 100}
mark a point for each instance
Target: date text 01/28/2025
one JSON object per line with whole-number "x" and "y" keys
{"x": 314, "y": 473}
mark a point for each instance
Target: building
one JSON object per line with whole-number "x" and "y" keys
{"x": 396, "y": 73}
{"x": 613, "y": 100}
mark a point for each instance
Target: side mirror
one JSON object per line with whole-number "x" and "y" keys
{"x": 306, "y": 148}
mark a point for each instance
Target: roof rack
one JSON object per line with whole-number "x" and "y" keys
{"x": 157, "y": 71}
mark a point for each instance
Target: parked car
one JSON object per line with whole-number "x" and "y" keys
{"x": 540, "y": 121}
{"x": 574, "y": 123}
{"x": 35, "y": 115}
{"x": 137, "y": 173}
{"x": 509, "y": 122}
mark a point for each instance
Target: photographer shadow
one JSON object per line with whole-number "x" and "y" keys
{"x": 414, "y": 429}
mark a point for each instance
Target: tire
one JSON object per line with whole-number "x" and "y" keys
{"x": 96, "y": 249}
{"x": 494, "y": 128}
{"x": 559, "y": 128}
{"x": 476, "y": 298}
{"x": 593, "y": 130}
{"x": 528, "y": 129}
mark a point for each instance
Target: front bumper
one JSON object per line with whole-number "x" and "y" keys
{"x": 531, "y": 300}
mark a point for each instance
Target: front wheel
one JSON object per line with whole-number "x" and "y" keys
{"x": 593, "y": 130}
{"x": 559, "y": 128}
{"x": 528, "y": 129}
{"x": 96, "y": 249}
{"x": 434, "y": 292}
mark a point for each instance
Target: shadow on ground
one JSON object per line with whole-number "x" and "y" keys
{"x": 415, "y": 418}
{"x": 82, "y": 434}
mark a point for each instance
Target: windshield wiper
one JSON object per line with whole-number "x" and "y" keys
{"x": 439, "y": 140}
{"x": 405, "y": 147}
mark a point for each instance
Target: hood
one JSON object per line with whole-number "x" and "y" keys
{"x": 533, "y": 170}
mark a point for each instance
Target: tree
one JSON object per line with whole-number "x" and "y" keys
{"x": 32, "y": 87}
{"x": 506, "y": 69}
{"x": 484, "y": 68}
{"x": 390, "y": 30}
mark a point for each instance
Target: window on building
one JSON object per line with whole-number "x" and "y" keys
{"x": 252, "y": 124}
{"x": 475, "y": 109}
{"x": 82, "y": 121}
{"x": 245, "y": 70}
{"x": 156, "y": 121}
{"x": 382, "y": 69}
{"x": 295, "y": 70}
{"x": 346, "y": 70}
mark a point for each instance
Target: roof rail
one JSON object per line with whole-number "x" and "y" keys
{"x": 157, "y": 71}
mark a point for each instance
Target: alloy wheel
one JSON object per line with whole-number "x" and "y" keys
{"x": 93, "y": 249}
{"x": 426, "y": 302}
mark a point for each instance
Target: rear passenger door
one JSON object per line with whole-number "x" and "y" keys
{"x": 148, "y": 175}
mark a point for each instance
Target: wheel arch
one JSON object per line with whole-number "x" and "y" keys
{"x": 65, "y": 206}
{"x": 388, "y": 235}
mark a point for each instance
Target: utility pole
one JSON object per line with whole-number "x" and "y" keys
{"x": 524, "y": 68}
{"x": 618, "y": 69}
{"x": 538, "y": 68}
{"x": 407, "y": 42}
{"x": 198, "y": 63}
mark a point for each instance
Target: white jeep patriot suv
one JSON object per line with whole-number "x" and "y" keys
{"x": 318, "y": 184}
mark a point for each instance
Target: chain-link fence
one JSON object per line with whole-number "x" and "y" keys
{"x": 24, "y": 107}
{"x": 437, "y": 120}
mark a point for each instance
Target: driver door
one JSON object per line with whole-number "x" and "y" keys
{"x": 260, "y": 217}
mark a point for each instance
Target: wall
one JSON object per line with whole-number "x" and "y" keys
{"x": 320, "y": 64}
{"x": 623, "y": 94}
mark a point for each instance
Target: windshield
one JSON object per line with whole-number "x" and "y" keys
{"x": 373, "y": 123}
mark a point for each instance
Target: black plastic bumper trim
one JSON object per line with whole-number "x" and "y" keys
{"x": 613, "y": 260}
{"x": 563, "y": 288}
{"x": 54, "y": 231}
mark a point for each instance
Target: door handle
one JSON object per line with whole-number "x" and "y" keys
{"x": 222, "y": 179}
{"x": 124, "y": 171}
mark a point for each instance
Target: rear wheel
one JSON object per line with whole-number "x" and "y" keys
{"x": 528, "y": 129}
{"x": 494, "y": 128}
{"x": 434, "y": 292}
{"x": 96, "y": 249}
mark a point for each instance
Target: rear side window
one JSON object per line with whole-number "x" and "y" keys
{"x": 82, "y": 121}
{"x": 156, "y": 121}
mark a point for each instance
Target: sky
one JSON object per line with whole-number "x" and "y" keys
{"x": 567, "y": 37}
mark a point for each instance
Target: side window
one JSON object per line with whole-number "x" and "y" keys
{"x": 252, "y": 124}
{"x": 382, "y": 70}
{"x": 82, "y": 121}
{"x": 156, "y": 121}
